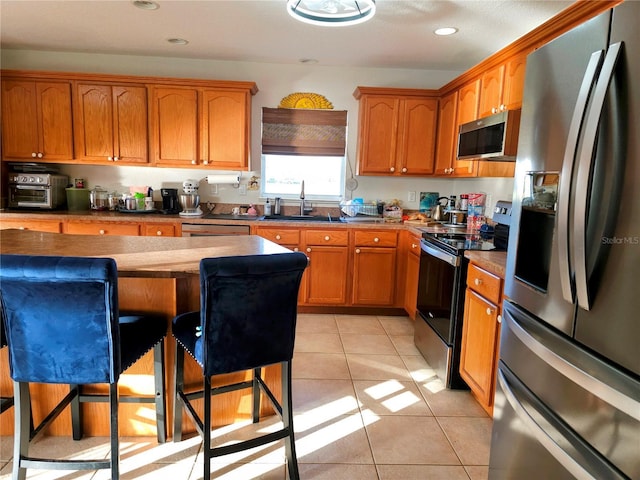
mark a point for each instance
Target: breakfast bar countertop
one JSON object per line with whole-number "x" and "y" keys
{"x": 160, "y": 257}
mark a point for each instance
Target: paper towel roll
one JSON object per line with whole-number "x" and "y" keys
{"x": 222, "y": 179}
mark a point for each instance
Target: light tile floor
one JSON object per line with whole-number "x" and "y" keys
{"x": 367, "y": 406}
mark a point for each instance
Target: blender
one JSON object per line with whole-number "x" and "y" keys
{"x": 190, "y": 200}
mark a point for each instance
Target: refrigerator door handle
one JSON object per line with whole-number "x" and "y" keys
{"x": 585, "y": 171}
{"x": 554, "y": 425}
{"x": 622, "y": 395}
{"x": 566, "y": 176}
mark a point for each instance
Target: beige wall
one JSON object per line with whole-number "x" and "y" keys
{"x": 274, "y": 81}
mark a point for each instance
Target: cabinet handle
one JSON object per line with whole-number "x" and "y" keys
{"x": 327, "y": 238}
{"x": 477, "y": 281}
{"x": 278, "y": 237}
{"x": 206, "y": 162}
{"x": 34, "y": 154}
{"x": 414, "y": 245}
{"x": 494, "y": 110}
{"x": 392, "y": 169}
{"x": 499, "y": 318}
{"x": 101, "y": 232}
{"x": 159, "y": 233}
{"x": 357, "y": 250}
{"x": 451, "y": 170}
{"x": 503, "y": 107}
{"x": 308, "y": 249}
{"x": 40, "y": 155}
{"x": 115, "y": 159}
{"x": 376, "y": 240}
{"x": 296, "y": 249}
{"x": 110, "y": 158}
{"x": 21, "y": 228}
{"x": 404, "y": 169}
{"x": 194, "y": 162}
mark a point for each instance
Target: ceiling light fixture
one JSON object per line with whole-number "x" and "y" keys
{"x": 445, "y": 31}
{"x": 177, "y": 41}
{"x": 332, "y": 12}
{"x": 145, "y": 5}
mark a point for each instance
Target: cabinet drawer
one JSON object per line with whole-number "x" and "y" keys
{"x": 327, "y": 237}
{"x": 280, "y": 235}
{"x": 52, "y": 226}
{"x": 486, "y": 284}
{"x": 158, "y": 230}
{"x": 413, "y": 245}
{"x": 103, "y": 228}
{"x": 376, "y": 238}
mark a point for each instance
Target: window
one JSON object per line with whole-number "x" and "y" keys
{"x": 323, "y": 177}
{"x": 303, "y": 144}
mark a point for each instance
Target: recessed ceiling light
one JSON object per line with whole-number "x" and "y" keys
{"x": 446, "y": 31}
{"x": 177, "y": 41}
{"x": 146, "y": 5}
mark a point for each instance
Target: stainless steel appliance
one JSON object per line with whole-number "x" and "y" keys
{"x": 441, "y": 294}
{"x": 568, "y": 396}
{"x": 190, "y": 200}
{"x": 37, "y": 190}
{"x": 490, "y": 138}
{"x": 210, "y": 230}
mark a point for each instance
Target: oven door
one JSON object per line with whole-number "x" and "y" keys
{"x": 32, "y": 196}
{"x": 438, "y": 326}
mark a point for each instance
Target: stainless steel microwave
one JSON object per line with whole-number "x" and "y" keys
{"x": 490, "y": 138}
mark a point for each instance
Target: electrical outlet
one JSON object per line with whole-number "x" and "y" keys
{"x": 411, "y": 197}
{"x": 242, "y": 190}
{"x": 213, "y": 189}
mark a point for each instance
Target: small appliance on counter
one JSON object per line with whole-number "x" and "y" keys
{"x": 502, "y": 217}
{"x": 190, "y": 200}
{"x": 170, "y": 203}
{"x": 38, "y": 186}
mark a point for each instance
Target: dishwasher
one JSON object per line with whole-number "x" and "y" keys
{"x": 210, "y": 230}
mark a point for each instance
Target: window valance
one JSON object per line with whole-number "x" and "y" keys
{"x": 291, "y": 131}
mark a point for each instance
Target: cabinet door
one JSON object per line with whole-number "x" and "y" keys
{"x": 491, "y": 100}
{"x": 225, "y": 129}
{"x": 411, "y": 282}
{"x": 377, "y": 139}
{"x": 468, "y": 98}
{"x": 53, "y": 226}
{"x": 446, "y": 142}
{"x": 327, "y": 273}
{"x": 514, "y": 82}
{"x": 102, "y": 228}
{"x": 130, "y": 139}
{"x": 418, "y": 136}
{"x": 94, "y": 122}
{"x": 36, "y": 120}
{"x": 374, "y": 275}
{"x": 479, "y": 343}
{"x": 174, "y": 123}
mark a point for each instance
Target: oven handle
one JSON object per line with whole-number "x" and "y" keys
{"x": 436, "y": 252}
{"x": 30, "y": 187}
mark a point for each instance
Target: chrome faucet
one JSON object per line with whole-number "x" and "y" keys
{"x": 302, "y": 199}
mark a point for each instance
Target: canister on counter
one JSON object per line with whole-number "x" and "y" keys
{"x": 78, "y": 183}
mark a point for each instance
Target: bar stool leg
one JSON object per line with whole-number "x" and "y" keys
{"x": 161, "y": 406}
{"x": 22, "y": 423}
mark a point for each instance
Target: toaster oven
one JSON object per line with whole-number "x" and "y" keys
{"x": 37, "y": 190}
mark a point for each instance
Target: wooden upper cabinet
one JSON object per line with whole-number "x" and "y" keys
{"x": 502, "y": 87}
{"x": 514, "y": 82}
{"x": 174, "y": 126}
{"x": 468, "y": 102}
{"x": 111, "y": 123}
{"x": 225, "y": 129}
{"x": 492, "y": 86}
{"x": 36, "y": 120}
{"x": 396, "y": 133}
{"x": 447, "y": 142}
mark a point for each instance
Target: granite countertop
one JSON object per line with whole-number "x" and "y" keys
{"x": 492, "y": 261}
{"x": 155, "y": 257}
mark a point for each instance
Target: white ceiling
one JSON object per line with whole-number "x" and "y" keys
{"x": 399, "y": 36}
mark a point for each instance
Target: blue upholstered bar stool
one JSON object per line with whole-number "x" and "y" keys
{"x": 63, "y": 327}
{"x": 247, "y": 321}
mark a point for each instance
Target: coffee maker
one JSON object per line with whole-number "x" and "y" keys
{"x": 170, "y": 202}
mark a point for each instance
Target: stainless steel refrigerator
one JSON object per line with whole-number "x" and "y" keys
{"x": 568, "y": 390}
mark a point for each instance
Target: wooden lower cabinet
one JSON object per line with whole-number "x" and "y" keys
{"x": 87, "y": 227}
{"x": 328, "y": 271}
{"x": 374, "y": 267}
{"x": 481, "y": 335}
{"x": 158, "y": 229}
{"x": 411, "y": 276}
{"x": 51, "y": 226}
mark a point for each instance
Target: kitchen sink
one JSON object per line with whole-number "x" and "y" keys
{"x": 304, "y": 218}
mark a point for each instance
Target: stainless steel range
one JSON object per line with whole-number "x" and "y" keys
{"x": 441, "y": 295}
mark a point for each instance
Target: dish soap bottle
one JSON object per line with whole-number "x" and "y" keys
{"x": 267, "y": 208}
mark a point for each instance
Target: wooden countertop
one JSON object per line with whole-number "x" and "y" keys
{"x": 161, "y": 257}
{"x": 492, "y": 261}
